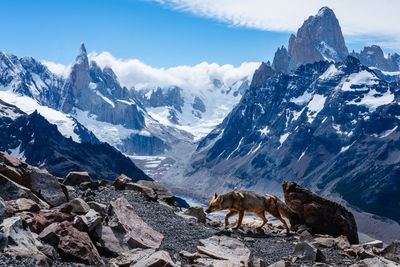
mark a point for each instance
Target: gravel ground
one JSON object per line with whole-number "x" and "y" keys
{"x": 180, "y": 235}
{"x": 6, "y": 261}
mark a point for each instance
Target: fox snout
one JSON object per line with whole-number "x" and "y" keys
{"x": 208, "y": 210}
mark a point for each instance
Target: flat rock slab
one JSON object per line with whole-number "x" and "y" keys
{"x": 111, "y": 240}
{"x": 159, "y": 258}
{"x": 224, "y": 248}
{"x": 138, "y": 233}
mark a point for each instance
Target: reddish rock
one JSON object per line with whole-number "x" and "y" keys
{"x": 21, "y": 204}
{"x": 111, "y": 240}
{"x": 76, "y": 178}
{"x": 11, "y": 161}
{"x": 38, "y": 221}
{"x": 11, "y": 173}
{"x": 138, "y": 233}
{"x": 321, "y": 215}
{"x": 72, "y": 243}
{"x": 120, "y": 182}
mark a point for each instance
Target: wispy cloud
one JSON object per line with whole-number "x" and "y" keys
{"x": 373, "y": 19}
{"x": 133, "y": 72}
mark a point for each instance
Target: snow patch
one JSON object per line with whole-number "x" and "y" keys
{"x": 264, "y": 131}
{"x": 315, "y": 106}
{"x": 373, "y": 99}
{"x": 65, "y": 123}
{"x": 304, "y": 98}
{"x": 361, "y": 78}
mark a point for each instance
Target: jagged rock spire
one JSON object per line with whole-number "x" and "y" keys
{"x": 82, "y": 56}
{"x": 319, "y": 38}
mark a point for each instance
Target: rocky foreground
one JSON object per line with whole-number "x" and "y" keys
{"x": 48, "y": 221}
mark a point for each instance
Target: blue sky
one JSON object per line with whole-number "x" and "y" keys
{"x": 158, "y": 34}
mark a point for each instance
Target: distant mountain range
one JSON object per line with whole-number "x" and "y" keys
{"x": 317, "y": 116}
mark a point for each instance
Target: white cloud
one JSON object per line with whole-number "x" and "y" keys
{"x": 133, "y": 72}
{"x": 376, "y": 20}
{"x": 58, "y": 69}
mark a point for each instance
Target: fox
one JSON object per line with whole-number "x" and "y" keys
{"x": 239, "y": 202}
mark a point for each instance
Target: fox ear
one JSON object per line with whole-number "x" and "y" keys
{"x": 220, "y": 199}
{"x": 215, "y": 195}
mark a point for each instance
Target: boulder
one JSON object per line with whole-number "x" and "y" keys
{"x": 76, "y": 178}
{"x": 321, "y": 215}
{"x": 72, "y": 243}
{"x": 131, "y": 256}
{"x": 20, "y": 253}
{"x": 224, "y": 248}
{"x": 111, "y": 240}
{"x": 308, "y": 252}
{"x": 146, "y": 191}
{"x": 392, "y": 251}
{"x": 120, "y": 182}
{"x": 377, "y": 262}
{"x": 159, "y": 258}
{"x": 328, "y": 242}
{"x": 91, "y": 219}
{"x": 37, "y": 221}
{"x": 373, "y": 244}
{"x": 21, "y": 204}
{"x": 79, "y": 206}
{"x": 197, "y": 212}
{"x": 18, "y": 234}
{"x": 46, "y": 186}
{"x": 10, "y": 190}
{"x": 162, "y": 192}
{"x": 138, "y": 233}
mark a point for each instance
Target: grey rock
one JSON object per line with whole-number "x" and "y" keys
{"x": 159, "y": 258}
{"x": 79, "y": 206}
{"x": 282, "y": 61}
{"x": 392, "y": 251}
{"x": 161, "y": 191}
{"x": 3, "y": 241}
{"x": 120, "y": 182}
{"x": 22, "y": 253}
{"x": 100, "y": 208}
{"x": 18, "y": 234}
{"x": 373, "y": 56}
{"x": 224, "y": 248}
{"x": 281, "y": 263}
{"x": 138, "y": 233}
{"x": 76, "y": 178}
{"x": 197, "y": 212}
{"x": 92, "y": 218}
{"x": 46, "y": 186}
{"x": 131, "y": 256}
{"x": 307, "y": 251}
{"x": 111, "y": 240}
{"x": 218, "y": 263}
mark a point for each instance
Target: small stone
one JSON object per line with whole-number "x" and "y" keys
{"x": 197, "y": 212}
{"x": 249, "y": 239}
{"x": 120, "y": 182}
{"x": 392, "y": 251}
{"x": 79, "y": 206}
{"x": 305, "y": 236}
{"x": 281, "y": 263}
{"x": 224, "y": 248}
{"x": 76, "y": 178}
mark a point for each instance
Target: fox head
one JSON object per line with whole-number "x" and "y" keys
{"x": 215, "y": 204}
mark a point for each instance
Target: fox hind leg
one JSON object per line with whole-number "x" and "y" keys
{"x": 230, "y": 214}
{"x": 262, "y": 216}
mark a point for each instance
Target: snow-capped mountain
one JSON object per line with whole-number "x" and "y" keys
{"x": 333, "y": 127}
{"x": 33, "y": 139}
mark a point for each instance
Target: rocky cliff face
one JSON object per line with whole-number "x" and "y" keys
{"x": 373, "y": 56}
{"x": 320, "y": 38}
{"x": 33, "y": 139}
{"x": 331, "y": 126}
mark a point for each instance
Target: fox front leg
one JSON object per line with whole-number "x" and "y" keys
{"x": 239, "y": 222}
{"x": 230, "y": 214}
